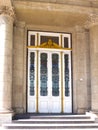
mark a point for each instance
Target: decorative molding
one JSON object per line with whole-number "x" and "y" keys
{"x": 6, "y": 10}
{"x": 49, "y": 45}
{"x": 79, "y": 29}
{"x": 92, "y": 20}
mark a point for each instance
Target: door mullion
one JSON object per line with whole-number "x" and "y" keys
{"x": 62, "y": 94}
{"x": 49, "y": 82}
{"x": 37, "y": 81}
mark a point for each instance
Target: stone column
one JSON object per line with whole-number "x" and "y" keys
{"x": 93, "y": 30}
{"x": 6, "y": 46}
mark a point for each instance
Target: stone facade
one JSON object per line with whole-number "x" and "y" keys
{"x": 78, "y": 18}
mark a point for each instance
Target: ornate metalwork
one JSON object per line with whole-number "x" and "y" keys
{"x": 43, "y": 74}
{"x": 49, "y": 45}
{"x": 32, "y": 73}
{"x": 66, "y": 74}
{"x": 55, "y": 75}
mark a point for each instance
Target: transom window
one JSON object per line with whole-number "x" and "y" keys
{"x": 38, "y": 38}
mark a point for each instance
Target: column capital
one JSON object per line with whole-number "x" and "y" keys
{"x": 79, "y": 29}
{"x": 6, "y": 10}
{"x": 92, "y": 21}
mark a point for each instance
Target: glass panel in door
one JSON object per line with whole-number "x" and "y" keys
{"x": 31, "y": 82}
{"x": 67, "y": 93}
{"x": 56, "y": 84}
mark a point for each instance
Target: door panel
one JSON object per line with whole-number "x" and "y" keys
{"x": 56, "y": 84}
{"x": 67, "y": 89}
{"x": 43, "y": 93}
{"x": 31, "y": 81}
{"x": 49, "y": 82}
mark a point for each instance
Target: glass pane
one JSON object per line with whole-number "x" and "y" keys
{"x": 46, "y": 38}
{"x": 32, "y": 73}
{"x": 66, "y": 78}
{"x": 55, "y": 75}
{"x": 43, "y": 74}
{"x": 65, "y": 42}
{"x": 32, "y": 40}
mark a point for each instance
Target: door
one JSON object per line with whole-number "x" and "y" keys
{"x": 49, "y": 88}
{"x": 49, "y": 82}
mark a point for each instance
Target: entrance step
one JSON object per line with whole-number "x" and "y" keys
{"x": 50, "y": 116}
{"x": 52, "y": 122}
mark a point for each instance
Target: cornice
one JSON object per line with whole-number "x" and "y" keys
{"x": 53, "y": 7}
{"x": 72, "y": 8}
{"x": 6, "y": 10}
{"x": 84, "y": 3}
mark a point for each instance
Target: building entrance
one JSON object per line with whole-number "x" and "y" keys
{"x": 49, "y": 73}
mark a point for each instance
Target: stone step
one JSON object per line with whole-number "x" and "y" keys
{"x": 50, "y": 126}
{"x": 30, "y": 116}
{"x": 52, "y": 122}
{"x": 50, "y": 129}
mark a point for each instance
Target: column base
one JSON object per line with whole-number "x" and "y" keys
{"x": 5, "y": 116}
{"x": 96, "y": 113}
{"x": 93, "y": 115}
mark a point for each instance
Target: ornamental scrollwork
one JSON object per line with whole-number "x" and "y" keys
{"x": 7, "y": 11}
{"x": 92, "y": 20}
{"x": 50, "y": 44}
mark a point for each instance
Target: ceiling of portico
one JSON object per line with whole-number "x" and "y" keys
{"x": 50, "y": 14}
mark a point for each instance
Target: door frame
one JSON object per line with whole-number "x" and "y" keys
{"x": 37, "y": 72}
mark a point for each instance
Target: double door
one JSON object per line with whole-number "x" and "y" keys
{"x": 49, "y": 82}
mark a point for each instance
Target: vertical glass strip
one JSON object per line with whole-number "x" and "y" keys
{"x": 55, "y": 75}
{"x": 43, "y": 74}
{"x": 32, "y": 40}
{"x": 66, "y": 74}
{"x": 65, "y": 42}
{"x": 32, "y": 73}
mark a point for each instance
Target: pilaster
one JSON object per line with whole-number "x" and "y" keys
{"x": 19, "y": 68}
{"x": 6, "y": 47}
{"x": 92, "y": 24}
{"x": 80, "y": 73}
